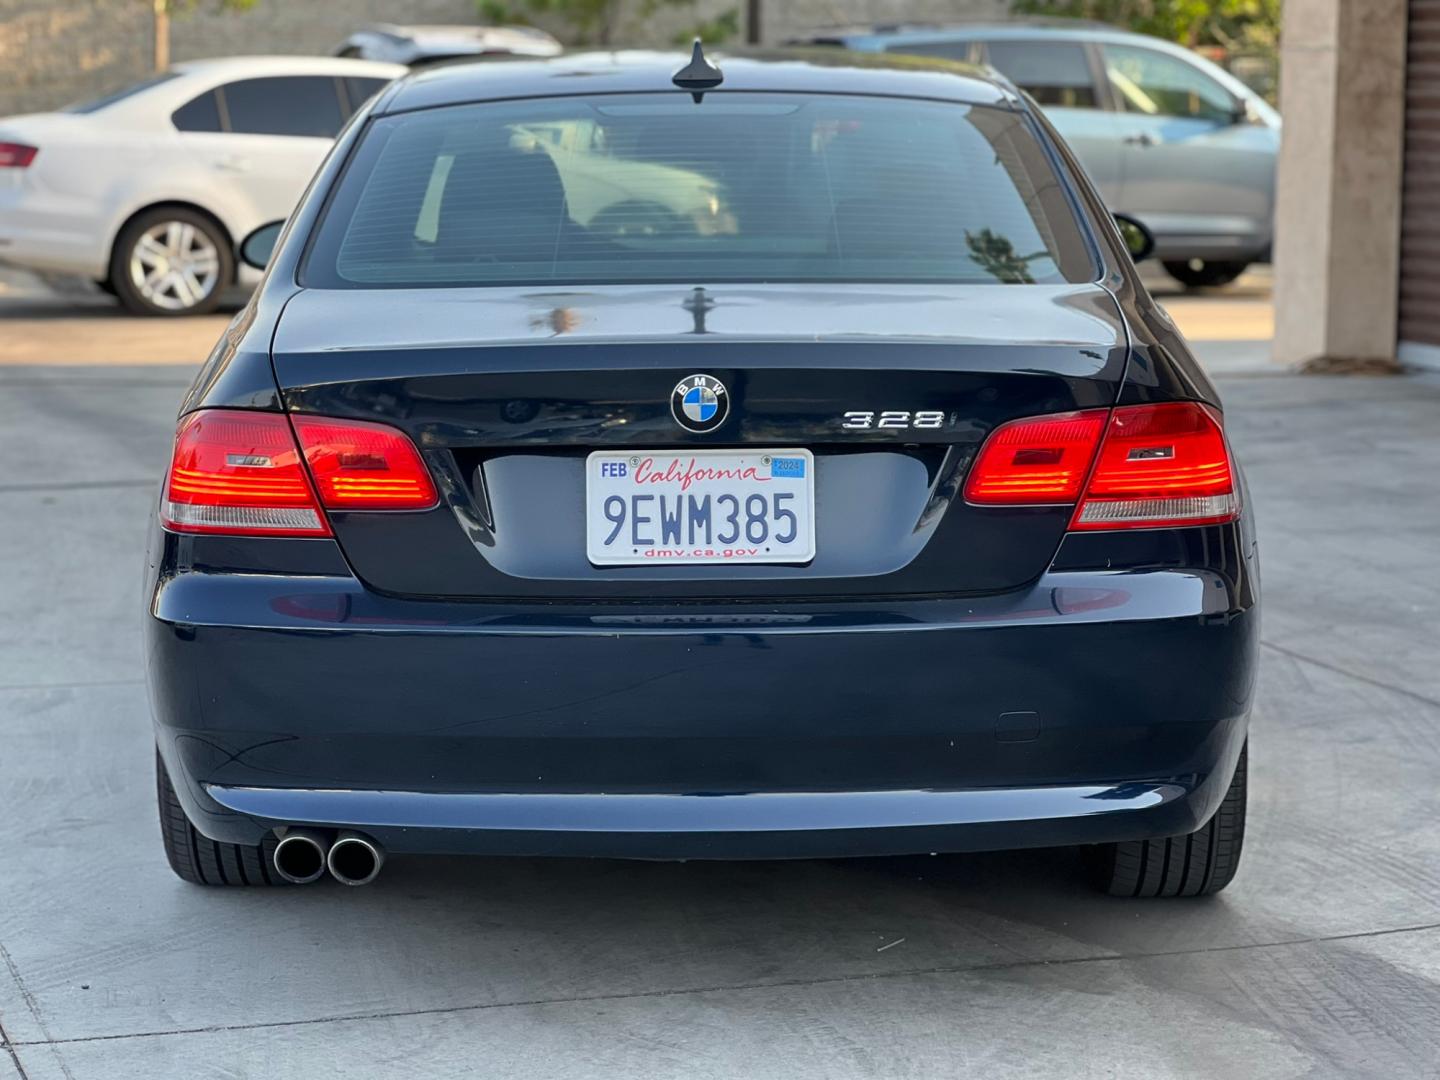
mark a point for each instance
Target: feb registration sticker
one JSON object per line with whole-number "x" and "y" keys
{"x": 700, "y": 506}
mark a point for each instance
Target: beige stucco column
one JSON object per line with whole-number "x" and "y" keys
{"x": 1337, "y": 229}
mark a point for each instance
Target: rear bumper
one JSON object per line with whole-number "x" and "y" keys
{"x": 787, "y": 825}
{"x": 1092, "y": 706}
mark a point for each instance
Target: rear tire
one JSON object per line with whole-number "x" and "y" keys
{"x": 1200, "y": 863}
{"x": 1203, "y": 273}
{"x": 200, "y": 860}
{"x": 171, "y": 261}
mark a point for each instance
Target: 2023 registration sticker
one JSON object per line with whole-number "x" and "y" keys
{"x": 700, "y": 506}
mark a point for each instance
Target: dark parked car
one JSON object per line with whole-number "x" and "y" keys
{"x": 1169, "y": 138}
{"x": 627, "y": 462}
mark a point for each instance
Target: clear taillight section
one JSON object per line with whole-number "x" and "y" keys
{"x": 1160, "y": 465}
{"x": 1137, "y": 466}
{"x": 244, "y": 473}
{"x": 16, "y": 155}
{"x": 240, "y": 472}
{"x": 364, "y": 466}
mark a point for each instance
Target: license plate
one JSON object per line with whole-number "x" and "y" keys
{"x": 700, "y": 506}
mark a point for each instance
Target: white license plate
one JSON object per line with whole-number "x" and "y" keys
{"x": 700, "y": 506}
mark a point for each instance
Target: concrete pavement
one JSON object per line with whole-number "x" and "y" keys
{"x": 1230, "y": 328}
{"x": 1323, "y": 959}
{"x": 70, "y": 321}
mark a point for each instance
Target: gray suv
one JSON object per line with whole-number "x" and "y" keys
{"x": 1171, "y": 140}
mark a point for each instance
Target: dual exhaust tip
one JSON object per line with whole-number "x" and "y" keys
{"x": 304, "y": 855}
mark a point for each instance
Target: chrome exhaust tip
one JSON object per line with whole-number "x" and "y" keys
{"x": 354, "y": 859}
{"x": 300, "y": 856}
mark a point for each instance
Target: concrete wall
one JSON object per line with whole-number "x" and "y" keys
{"x": 57, "y": 51}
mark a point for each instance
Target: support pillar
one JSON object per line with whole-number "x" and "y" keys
{"x": 1337, "y": 228}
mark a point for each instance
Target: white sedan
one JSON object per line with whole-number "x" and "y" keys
{"x": 148, "y": 190}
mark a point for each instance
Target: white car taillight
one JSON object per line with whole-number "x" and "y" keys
{"x": 16, "y": 155}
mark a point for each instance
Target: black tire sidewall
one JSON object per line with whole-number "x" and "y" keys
{"x": 1211, "y": 275}
{"x": 1206, "y": 860}
{"x": 201, "y": 861}
{"x": 125, "y": 290}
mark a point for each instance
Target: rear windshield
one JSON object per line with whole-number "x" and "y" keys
{"x": 99, "y": 103}
{"x": 654, "y": 188}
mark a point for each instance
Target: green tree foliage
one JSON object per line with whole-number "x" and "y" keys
{"x": 722, "y": 28}
{"x": 1238, "y": 25}
{"x": 603, "y": 22}
{"x": 996, "y": 254}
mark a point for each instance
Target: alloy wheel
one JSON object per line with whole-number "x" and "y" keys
{"x": 174, "y": 265}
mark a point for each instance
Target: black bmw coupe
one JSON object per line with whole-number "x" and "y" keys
{"x": 658, "y": 456}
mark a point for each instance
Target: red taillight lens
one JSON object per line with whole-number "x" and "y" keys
{"x": 16, "y": 155}
{"x": 1036, "y": 461}
{"x": 244, "y": 473}
{"x": 1160, "y": 465}
{"x": 363, "y": 466}
{"x": 239, "y": 472}
{"x": 1153, "y": 466}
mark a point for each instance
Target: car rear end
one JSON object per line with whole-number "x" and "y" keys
{"x": 788, "y": 474}
{"x": 54, "y": 170}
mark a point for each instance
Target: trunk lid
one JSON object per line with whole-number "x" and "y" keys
{"x": 506, "y": 392}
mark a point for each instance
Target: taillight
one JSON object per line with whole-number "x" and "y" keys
{"x": 1160, "y": 465}
{"x": 16, "y": 155}
{"x": 1036, "y": 461}
{"x": 1148, "y": 466}
{"x": 364, "y": 466}
{"x": 240, "y": 472}
{"x": 244, "y": 473}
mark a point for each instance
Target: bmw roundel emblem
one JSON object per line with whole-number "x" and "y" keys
{"x": 699, "y": 403}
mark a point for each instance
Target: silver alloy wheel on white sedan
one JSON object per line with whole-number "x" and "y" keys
{"x": 174, "y": 265}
